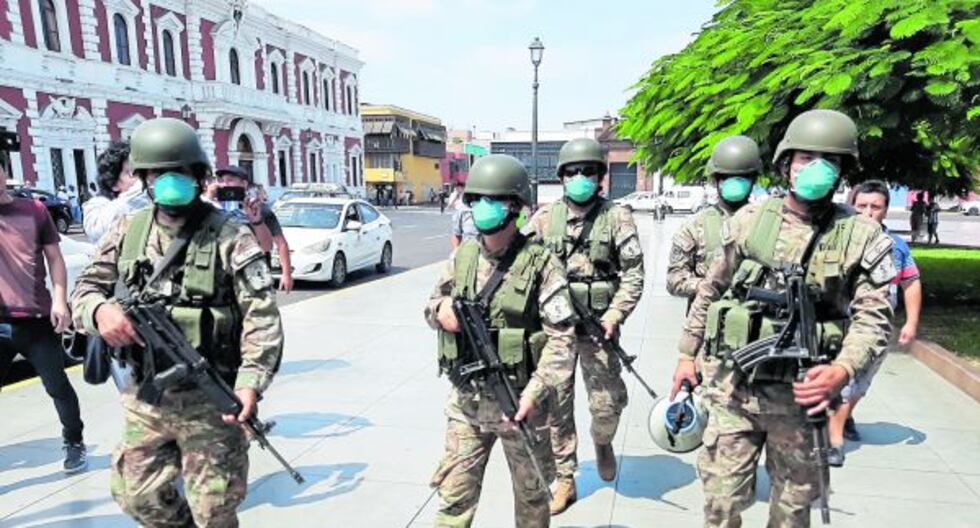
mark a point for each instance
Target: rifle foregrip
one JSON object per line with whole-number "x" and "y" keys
{"x": 765, "y": 295}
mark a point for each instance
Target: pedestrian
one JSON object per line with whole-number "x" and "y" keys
{"x": 463, "y": 226}
{"x": 221, "y": 297}
{"x": 766, "y": 408}
{"x": 259, "y": 215}
{"x": 919, "y": 209}
{"x": 31, "y": 318}
{"x": 597, "y": 242}
{"x": 119, "y": 192}
{"x": 74, "y": 205}
{"x": 734, "y": 166}
{"x": 871, "y": 199}
{"x": 442, "y": 200}
{"x": 932, "y": 221}
{"x": 532, "y": 321}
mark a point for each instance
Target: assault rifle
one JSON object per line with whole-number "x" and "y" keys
{"x": 162, "y": 336}
{"x": 796, "y": 341}
{"x": 472, "y": 322}
{"x": 593, "y": 327}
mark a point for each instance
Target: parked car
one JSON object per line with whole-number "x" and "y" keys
{"x": 331, "y": 237}
{"x": 313, "y": 190}
{"x": 638, "y": 201}
{"x": 59, "y": 209}
{"x": 971, "y": 208}
{"x": 686, "y": 198}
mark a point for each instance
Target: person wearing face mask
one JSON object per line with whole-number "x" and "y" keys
{"x": 530, "y": 316}
{"x": 598, "y": 242}
{"x": 849, "y": 270}
{"x": 218, "y": 290}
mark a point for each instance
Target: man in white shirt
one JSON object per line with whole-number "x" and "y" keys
{"x": 119, "y": 192}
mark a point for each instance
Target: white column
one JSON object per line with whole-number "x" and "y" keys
{"x": 205, "y": 131}
{"x": 90, "y": 36}
{"x": 194, "y": 49}
{"x": 16, "y": 22}
{"x": 292, "y": 79}
{"x": 148, "y": 36}
{"x": 102, "y": 137}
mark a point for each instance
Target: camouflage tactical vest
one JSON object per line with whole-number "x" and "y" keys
{"x": 203, "y": 308}
{"x": 733, "y": 322}
{"x": 513, "y": 312}
{"x": 596, "y": 291}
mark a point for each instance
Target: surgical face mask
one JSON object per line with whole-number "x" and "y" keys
{"x": 580, "y": 189}
{"x": 175, "y": 193}
{"x": 735, "y": 189}
{"x": 815, "y": 180}
{"x": 489, "y": 215}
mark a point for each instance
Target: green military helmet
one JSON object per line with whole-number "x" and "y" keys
{"x": 734, "y": 155}
{"x": 165, "y": 143}
{"x": 499, "y": 175}
{"x": 581, "y": 150}
{"x": 827, "y": 131}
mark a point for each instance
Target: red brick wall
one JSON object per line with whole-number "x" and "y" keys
{"x": 15, "y": 98}
{"x": 117, "y": 112}
{"x": 30, "y": 35}
{"x": 74, "y": 28}
{"x": 207, "y": 47}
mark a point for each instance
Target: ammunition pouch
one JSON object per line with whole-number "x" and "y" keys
{"x": 597, "y": 295}
{"x": 519, "y": 353}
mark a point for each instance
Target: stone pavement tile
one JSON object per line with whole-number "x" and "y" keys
{"x": 88, "y": 504}
{"x": 335, "y": 495}
{"x": 973, "y": 481}
{"x": 888, "y": 446}
{"x": 627, "y": 516}
{"x": 861, "y": 511}
{"x": 958, "y": 448}
{"x": 902, "y": 484}
{"x": 653, "y": 479}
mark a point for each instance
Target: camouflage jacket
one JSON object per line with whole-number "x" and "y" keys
{"x": 239, "y": 255}
{"x": 553, "y": 306}
{"x": 627, "y": 257}
{"x": 689, "y": 253}
{"x": 861, "y": 295}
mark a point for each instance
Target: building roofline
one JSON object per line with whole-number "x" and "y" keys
{"x": 390, "y": 109}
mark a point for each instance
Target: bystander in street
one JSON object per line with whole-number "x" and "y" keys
{"x": 119, "y": 192}
{"x": 932, "y": 222}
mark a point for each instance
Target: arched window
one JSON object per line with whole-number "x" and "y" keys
{"x": 169, "y": 64}
{"x": 326, "y": 94}
{"x": 49, "y": 25}
{"x": 246, "y": 155}
{"x": 306, "y": 87}
{"x": 122, "y": 38}
{"x": 274, "y": 75}
{"x": 236, "y": 77}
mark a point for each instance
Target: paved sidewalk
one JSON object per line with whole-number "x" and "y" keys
{"x": 359, "y": 412}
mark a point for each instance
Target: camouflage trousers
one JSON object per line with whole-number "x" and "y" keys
{"x": 738, "y": 430}
{"x": 474, "y": 426}
{"x": 182, "y": 437}
{"x": 602, "y": 374}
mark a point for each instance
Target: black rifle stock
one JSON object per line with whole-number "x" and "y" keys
{"x": 593, "y": 327}
{"x": 470, "y": 315}
{"x": 162, "y": 336}
{"x": 797, "y": 341}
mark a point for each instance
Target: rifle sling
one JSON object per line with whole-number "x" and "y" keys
{"x": 587, "y": 224}
{"x": 497, "y": 278}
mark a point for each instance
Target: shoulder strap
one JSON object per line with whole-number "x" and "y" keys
{"x": 712, "y": 229}
{"x": 587, "y": 224}
{"x": 761, "y": 243}
{"x": 173, "y": 254}
{"x": 137, "y": 233}
{"x": 465, "y": 263}
{"x": 501, "y": 269}
{"x": 557, "y": 227}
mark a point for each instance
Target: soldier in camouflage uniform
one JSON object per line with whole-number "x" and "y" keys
{"x": 220, "y": 294}
{"x": 734, "y": 165}
{"x": 849, "y": 273}
{"x": 531, "y": 316}
{"x": 605, "y": 270}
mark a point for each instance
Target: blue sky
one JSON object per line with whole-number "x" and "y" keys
{"x": 466, "y": 61}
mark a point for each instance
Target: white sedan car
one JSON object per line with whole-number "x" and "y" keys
{"x": 331, "y": 237}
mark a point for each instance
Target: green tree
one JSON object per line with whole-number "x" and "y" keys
{"x": 907, "y": 71}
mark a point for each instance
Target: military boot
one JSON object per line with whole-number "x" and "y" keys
{"x": 605, "y": 461}
{"x": 565, "y": 495}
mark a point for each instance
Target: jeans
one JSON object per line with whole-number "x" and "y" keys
{"x": 36, "y": 340}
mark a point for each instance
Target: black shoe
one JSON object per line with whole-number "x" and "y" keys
{"x": 75, "y": 460}
{"x": 850, "y": 431}
{"x": 835, "y": 456}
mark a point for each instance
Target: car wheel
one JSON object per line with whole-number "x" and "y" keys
{"x": 62, "y": 225}
{"x": 974, "y": 211}
{"x": 338, "y": 275}
{"x": 385, "y": 265}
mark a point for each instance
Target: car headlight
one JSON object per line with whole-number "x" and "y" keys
{"x": 319, "y": 247}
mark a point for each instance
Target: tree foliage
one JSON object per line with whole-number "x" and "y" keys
{"x": 907, "y": 71}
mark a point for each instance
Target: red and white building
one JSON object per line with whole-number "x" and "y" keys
{"x": 263, "y": 92}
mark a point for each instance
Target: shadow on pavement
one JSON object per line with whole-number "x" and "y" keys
{"x": 332, "y": 479}
{"x": 72, "y": 510}
{"x": 643, "y": 477}
{"x": 94, "y": 464}
{"x": 306, "y": 425}
{"x": 302, "y": 366}
{"x": 885, "y": 433}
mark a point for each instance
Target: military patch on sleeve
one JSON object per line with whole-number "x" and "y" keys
{"x": 630, "y": 250}
{"x": 557, "y": 309}
{"x": 552, "y": 289}
{"x": 884, "y": 272}
{"x": 257, "y": 274}
{"x": 878, "y": 249}
{"x": 242, "y": 258}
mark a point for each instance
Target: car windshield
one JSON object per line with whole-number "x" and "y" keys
{"x": 313, "y": 216}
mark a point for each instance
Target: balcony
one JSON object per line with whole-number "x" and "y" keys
{"x": 222, "y": 94}
{"x": 385, "y": 144}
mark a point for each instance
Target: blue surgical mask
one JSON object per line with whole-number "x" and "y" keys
{"x": 580, "y": 189}
{"x": 816, "y": 180}
{"x": 173, "y": 189}
{"x": 489, "y": 215}
{"x": 735, "y": 189}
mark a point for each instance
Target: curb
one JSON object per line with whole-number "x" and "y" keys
{"x": 953, "y": 369}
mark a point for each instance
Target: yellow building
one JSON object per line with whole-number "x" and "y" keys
{"x": 403, "y": 153}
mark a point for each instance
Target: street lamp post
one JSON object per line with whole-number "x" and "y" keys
{"x": 537, "y": 50}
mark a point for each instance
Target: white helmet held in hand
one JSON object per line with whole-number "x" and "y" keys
{"x": 677, "y": 425}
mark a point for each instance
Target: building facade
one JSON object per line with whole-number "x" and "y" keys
{"x": 404, "y": 153}
{"x": 461, "y": 153}
{"x": 263, "y": 92}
